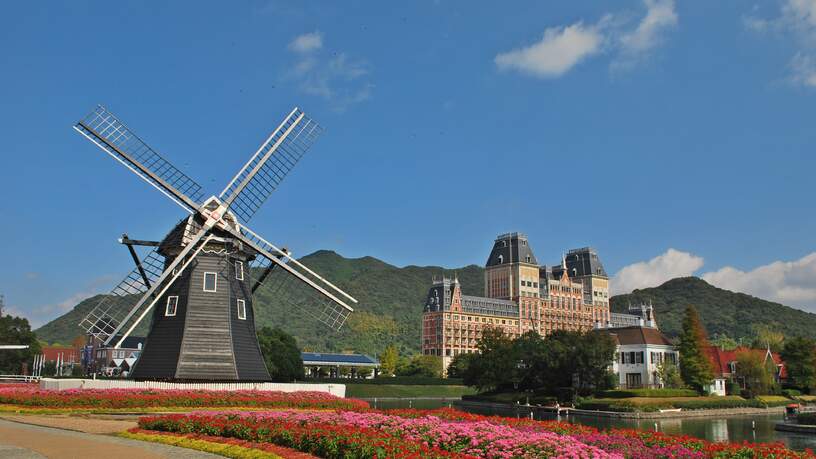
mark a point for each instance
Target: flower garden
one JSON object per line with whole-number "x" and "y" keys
{"x": 246, "y": 424}
{"x": 441, "y": 433}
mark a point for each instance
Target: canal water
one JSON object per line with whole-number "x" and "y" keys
{"x": 751, "y": 428}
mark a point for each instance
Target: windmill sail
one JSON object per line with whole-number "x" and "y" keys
{"x": 113, "y": 308}
{"x": 267, "y": 168}
{"x": 112, "y": 136}
{"x": 295, "y": 285}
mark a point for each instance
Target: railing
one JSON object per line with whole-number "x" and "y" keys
{"x": 24, "y": 378}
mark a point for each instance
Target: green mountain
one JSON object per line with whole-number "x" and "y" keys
{"x": 391, "y": 300}
{"x": 389, "y": 309}
{"x": 722, "y": 311}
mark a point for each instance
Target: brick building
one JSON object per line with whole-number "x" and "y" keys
{"x": 520, "y": 295}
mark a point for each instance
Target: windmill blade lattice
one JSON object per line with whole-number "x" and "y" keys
{"x": 290, "y": 293}
{"x": 270, "y": 165}
{"x": 113, "y": 308}
{"x": 111, "y": 135}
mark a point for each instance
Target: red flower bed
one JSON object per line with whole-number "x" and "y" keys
{"x": 321, "y": 439}
{"x": 31, "y": 396}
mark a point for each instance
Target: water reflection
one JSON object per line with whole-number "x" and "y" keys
{"x": 756, "y": 428}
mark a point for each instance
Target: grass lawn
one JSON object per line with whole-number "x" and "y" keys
{"x": 398, "y": 390}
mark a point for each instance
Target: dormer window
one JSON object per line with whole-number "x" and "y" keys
{"x": 528, "y": 258}
{"x": 501, "y": 259}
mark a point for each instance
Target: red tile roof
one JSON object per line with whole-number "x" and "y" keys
{"x": 721, "y": 359}
{"x": 69, "y": 354}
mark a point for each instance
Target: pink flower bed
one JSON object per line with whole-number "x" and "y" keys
{"x": 480, "y": 439}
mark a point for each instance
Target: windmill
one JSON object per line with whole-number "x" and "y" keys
{"x": 200, "y": 279}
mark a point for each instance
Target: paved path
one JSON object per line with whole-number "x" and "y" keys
{"x": 25, "y": 441}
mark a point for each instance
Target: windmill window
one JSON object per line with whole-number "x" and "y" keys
{"x": 239, "y": 270}
{"x": 210, "y": 281}
{"x": 172, "y": 304}
{"x": 242, "y": 309}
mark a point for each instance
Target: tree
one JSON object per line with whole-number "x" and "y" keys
{"x": 459, "y": 365}
{"x": 497, "y": 363}
{"x": 595, "y": 354}
{"x": 428, "y": 366}
{"x": 669, "y": 374}
{"x": 695, "y": 368}
{"x": 724, "y": 342}
{"x": 388, "y": 360}
{"x": 754, "y": 373}
{"x": 281, "y": 354}
{"x": 799, "y": 355}
{"x": 16, "y": 330}
{"x": 767, "y": 337}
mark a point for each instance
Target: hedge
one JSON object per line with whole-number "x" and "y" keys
{"x": 399, "y": 380}
{"x": 806, "y": 418}
{"x": 700, "y": 403}
{"x": 649, "y": 393}
{"x": 791, "y": 393}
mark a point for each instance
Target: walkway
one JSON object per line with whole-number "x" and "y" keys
{"x": 25, "y": 441}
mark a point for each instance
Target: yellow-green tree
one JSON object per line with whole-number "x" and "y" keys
{"x": 388, "y": 360}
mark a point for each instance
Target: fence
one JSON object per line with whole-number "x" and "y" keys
{"x": 22, "y": 378}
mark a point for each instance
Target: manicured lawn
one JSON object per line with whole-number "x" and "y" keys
{"x": 377, "y": 390}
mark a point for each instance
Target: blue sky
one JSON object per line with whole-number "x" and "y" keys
{"x": 674, "y": 138}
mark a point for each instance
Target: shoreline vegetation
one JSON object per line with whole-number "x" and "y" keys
{"x": 641, "y": 403}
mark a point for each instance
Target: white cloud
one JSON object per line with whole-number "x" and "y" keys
{"x": 791, "y": 283}
{"x": 649, "y": 34}
{"x": 797, "y": 20}
{"x": 559, "y": 50}
{"x": 673, "y": 263}
{"x": 307, "y": 42}
{"x": 564, "y": 47}
{"x": 803, "y": 67}
{"x": 340, "y": 79}
{"x": 40, "y": 315}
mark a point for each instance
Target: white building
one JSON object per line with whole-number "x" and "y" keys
{"x": 640, "y": 350}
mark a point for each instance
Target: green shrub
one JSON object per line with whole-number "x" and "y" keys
{"x": 650, "y": 393}
{"x": 791, "y": 393}
{"x": 732, "y": 388}
{"x": 806, "y": 418}
{"x": 619, "y": 406}
{"x": 707, "y": 403}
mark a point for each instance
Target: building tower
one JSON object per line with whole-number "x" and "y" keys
{"x": 513, "y": 273}
{"x": 585, "y": 266}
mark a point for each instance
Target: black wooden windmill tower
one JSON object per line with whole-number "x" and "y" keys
{"x": 198, "y": 282}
